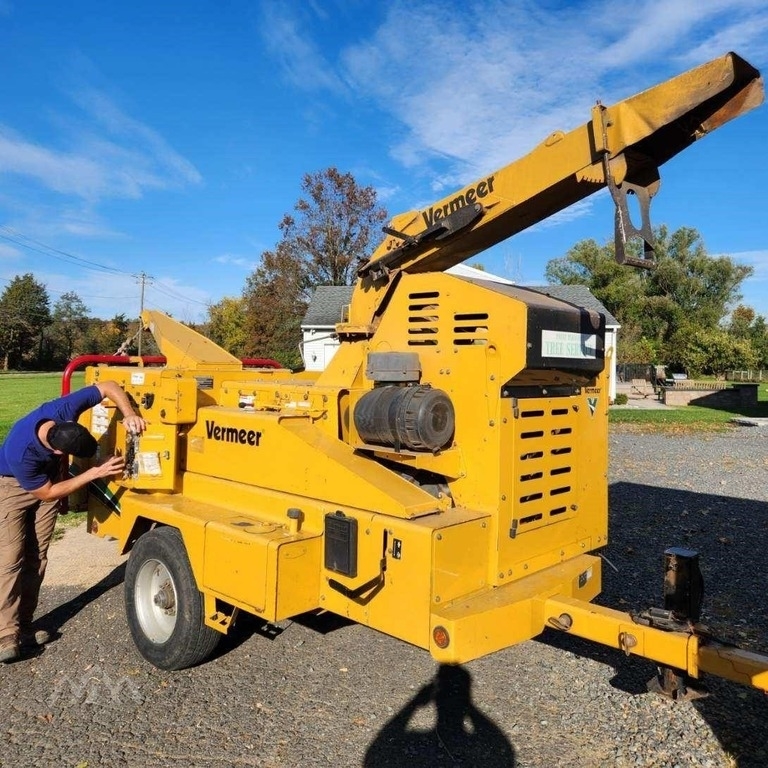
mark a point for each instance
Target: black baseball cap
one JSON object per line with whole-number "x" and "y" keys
{"x": 72, "y": 438}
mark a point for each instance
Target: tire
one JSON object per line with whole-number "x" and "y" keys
{"x": 163, "y": 605}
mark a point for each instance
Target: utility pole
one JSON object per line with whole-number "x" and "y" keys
{"x": 142, "y": 277}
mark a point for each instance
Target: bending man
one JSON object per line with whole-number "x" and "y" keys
{"x": 31, "y": 488}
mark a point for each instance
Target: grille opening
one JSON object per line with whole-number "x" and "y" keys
{"x": 562, "y": 431}
{"x": 530, "y": 497}
{"x": 531, "y": 455}
{"x": 558, "y": 491}
{"x": 560, "y": 471}
{"x": 531, "y": 476}
{"x": 423, "y": 319}
{"x": 559, "y": 411}
{"x": 560, "y": 451}
{"x": 557, "y": 511}
{"x": 470, "y": 328}
{"x": 529, "y": 435}
{"x": 420, "y": 336}
{"x": 424, "y": 295}
{"x": 531, "y": 414}
{"x": 530, "y": 519}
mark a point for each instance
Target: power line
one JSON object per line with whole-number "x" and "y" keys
{"x": 175, "y": 295}
{"x": 19, "y": 239}
{"x": 22, "y": 240}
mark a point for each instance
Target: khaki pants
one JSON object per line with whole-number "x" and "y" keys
{"x": 26, "y": 528}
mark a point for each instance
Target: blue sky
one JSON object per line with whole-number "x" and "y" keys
{"x": 169, "y": 138}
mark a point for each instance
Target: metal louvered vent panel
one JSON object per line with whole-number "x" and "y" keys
{"x": 543, "y": 472}
{"x": 423, "y": 318}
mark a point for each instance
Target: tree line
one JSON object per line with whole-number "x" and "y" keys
{"x": 685, "y": 313}
{"x": 37, "y": 336}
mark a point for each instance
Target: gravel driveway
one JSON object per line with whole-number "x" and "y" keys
{"x": 327, "y": 693}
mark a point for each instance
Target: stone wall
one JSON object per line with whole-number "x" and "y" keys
{"x": 736, "y": 396}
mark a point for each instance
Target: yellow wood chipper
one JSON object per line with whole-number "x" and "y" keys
{"x": 444, "y": 479}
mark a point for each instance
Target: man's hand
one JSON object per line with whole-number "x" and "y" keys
{"x": 134, "y": 424}
{"x": 113, "y": 465}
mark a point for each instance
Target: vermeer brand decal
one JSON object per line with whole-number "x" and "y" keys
{"x": 232, "y": 434}
{"x": 468, "y": 197}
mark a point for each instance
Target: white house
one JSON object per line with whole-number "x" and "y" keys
{"x": 328, "y": 301}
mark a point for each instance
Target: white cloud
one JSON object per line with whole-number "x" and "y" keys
{"x": 753, "y": 290}
{"x": 102, "y": 153}
{"x": 571, "y": 213}
{"x": 758, "y": 260}
{"x": 299, "y": 58}
{"x": 689, "y": 31}
{"x": 492, "y": 79}
{"x": 9, "y": 253}
{"x": 237, "y": 261}
{"x": 64, "y": 172}
{"x": 51, "y": 222}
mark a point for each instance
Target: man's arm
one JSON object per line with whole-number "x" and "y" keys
{"x": 131, "y": 420}
{"x": 51, "y": 491}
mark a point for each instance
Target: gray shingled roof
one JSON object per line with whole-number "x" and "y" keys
{"x": 579, "y": 295}
{"x": 327, "y": 301}
{"x": 325, "y": 306}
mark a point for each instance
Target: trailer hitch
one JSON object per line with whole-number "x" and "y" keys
{"x": 683, "y": 597}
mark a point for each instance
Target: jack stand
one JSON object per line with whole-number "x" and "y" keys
{"x": 683, "y": 593}
{"x": 676, "y": 685}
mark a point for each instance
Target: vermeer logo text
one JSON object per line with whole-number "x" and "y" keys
{"x": 232, "y": 434}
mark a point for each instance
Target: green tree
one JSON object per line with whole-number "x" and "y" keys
{"x": 69, "y": 323}
{"x": 659, "y": 308}
{"x": 226, "y": 325}
{"x": 24, "y": 314}
{"x": 104, "y": 337}
{"x": 695, "y": 285}
{"x": 713, "y": 351}
{"x": 746, "y": 324}
{"x": 335, "y": 225}
{"x": 740, "y": 324}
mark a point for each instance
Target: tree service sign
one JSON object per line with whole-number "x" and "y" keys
{"x": 574, "y": 346}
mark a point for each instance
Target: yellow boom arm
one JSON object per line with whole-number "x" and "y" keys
{"x": 622, "y": 147}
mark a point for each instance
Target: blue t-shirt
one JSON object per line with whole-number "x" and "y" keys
{"x": 24, "y": 456}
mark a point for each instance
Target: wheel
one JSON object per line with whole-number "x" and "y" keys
{"x": 163, "y": 606}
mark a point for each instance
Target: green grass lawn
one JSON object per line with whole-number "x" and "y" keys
{"x": 21, "y": 392}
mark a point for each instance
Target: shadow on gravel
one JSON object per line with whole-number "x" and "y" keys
{"x": 731, "y": 536}
{"x": 55, "y": 619}
{"x": 247, "y": 625}
{"x": 461, "y": 735}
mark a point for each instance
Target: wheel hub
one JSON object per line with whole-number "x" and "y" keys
{"x": 165, "y": 598}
